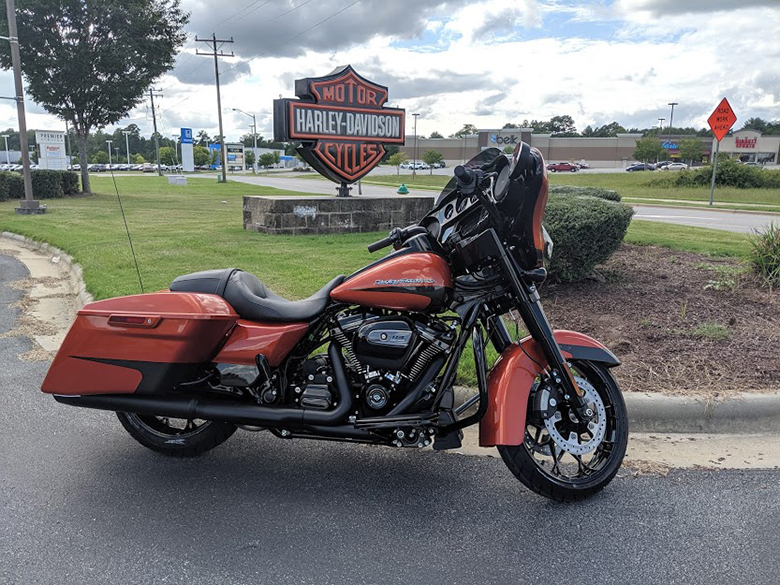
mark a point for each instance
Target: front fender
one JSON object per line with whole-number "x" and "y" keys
{"x": 511, "y": 378}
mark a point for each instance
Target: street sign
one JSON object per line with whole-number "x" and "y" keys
{"x": 722, "y": 119}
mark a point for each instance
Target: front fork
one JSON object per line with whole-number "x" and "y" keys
{"x": 530, "y": 308}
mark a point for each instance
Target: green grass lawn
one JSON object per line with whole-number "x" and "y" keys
{"x": 632, "y": 186}
{"x": 181, "y": 229}
{"x": 690, "y": 239}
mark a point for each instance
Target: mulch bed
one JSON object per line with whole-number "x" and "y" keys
{"x": 680, "y": 322}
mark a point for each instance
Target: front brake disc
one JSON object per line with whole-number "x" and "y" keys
{"x": 558, "y": 424}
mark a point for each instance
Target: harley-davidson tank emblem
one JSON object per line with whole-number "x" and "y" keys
{"x": 341, "y": 122}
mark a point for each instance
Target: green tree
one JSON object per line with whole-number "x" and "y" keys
{"x": 510, "y": 126}
{"x": 200, "y": 156}
{"x": 277, "y": 157}
{"x": 648, "y": 149}
{"x": 100, "y": 158}
{"x": 202, "y": 138}
{"x": 397, "y": 160}
{"x": 139, "y": 159}
{"x": 167, "y": 155}
{"x": 509, "y": 149}
{"x": 90, "y": 62}
{"x": 266, "y": 159}
{"x": 561, "y": 126}
{"x": 249, "y": 158}
{"x": 435, "y": 134}
{"x": 691, "y": 150}
{"x": 430, "y": 157}
{"x": 467, "y": 130}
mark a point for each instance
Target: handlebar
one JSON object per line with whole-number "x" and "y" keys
{"x": 396, "y": 236}
{"x": 467, "y": 179}
{"x": 383, "y": 243}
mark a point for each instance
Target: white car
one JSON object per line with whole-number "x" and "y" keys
{"x": 675, "y": 166}
{"x": 406, "y": 165}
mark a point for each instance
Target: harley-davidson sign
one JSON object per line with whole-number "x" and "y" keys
{"x": 341, "y": 122}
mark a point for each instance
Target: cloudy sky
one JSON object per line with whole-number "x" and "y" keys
{"x": 484, "y": 62}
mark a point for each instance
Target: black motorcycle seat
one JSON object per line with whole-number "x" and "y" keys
{"x": 251, "y": 299}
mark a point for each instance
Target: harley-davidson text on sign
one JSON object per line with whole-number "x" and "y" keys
{"x": 722, "y": 119}
{"x": 341, "y": 123}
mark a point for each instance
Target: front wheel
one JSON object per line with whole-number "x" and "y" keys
{"x": 565, "y": 460}
{"x": 176, "y": 437}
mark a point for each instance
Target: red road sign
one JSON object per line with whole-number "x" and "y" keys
{"x": 722, "y": 119}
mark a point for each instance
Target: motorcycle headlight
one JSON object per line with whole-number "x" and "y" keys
{"x": 548, "y": 245}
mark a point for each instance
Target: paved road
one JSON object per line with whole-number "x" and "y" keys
{"x": 706, "y": 218}
{"x": 81, "y": 503}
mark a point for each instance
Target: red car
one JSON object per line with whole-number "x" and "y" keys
{"x": 562, "y": 166}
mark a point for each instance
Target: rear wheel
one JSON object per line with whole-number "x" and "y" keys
{"x": 565, "y": 460}
{"x": 176, "y": 437}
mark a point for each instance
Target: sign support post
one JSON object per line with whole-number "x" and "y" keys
{"x": 714, "y": 169}
{"x": 721, "y": 120}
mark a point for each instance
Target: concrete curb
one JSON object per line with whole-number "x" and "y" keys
{"x": 662, "y": 413}
{"x": 633, "y": 201}
{"x": 76, "y": 273}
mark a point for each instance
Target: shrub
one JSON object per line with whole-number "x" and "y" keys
{"x": 47, "y": 184}
{"x": 608, "y": 194}
{"x": 730, "y": 173}
{"x": 586, "y": 231}
{"x": 70, "y": 182}
{"x": 4, "y": 186}
{"x": 15, "y": 184}
{"x": 765, "y": 255}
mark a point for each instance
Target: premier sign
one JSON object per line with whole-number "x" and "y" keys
{"x": 341, "y": 122}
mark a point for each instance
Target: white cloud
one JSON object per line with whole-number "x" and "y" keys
{"x": 497, "y": 61}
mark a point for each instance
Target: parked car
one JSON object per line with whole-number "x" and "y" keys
{"x": 675, "y": 166}
{"x": 148, "y": 168}
{"x": 406, "y": 165}
{"x": 640, "y": 167}
{"x": 753, "y": 164}
{"x": 562, "y": 166}
{"x": 663, "y": 164}
{"x": 583, "y": 165}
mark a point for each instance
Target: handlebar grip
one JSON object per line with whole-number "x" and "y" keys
{"x": 464, "y": 175}
{"x": 384, "y": 243}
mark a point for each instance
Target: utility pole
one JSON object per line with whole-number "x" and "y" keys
{"x": 109, "y": 152}
{"x": 254, "y": 136}
{"x": 68, "y": 151}
{"x": 157, "y": 93}
{"x": 414, "y": 165}
{"x": 127, "y": 144}
{"x": 7, "y": 156}
{"x": 215, "y": 44}
{"x": 29, "y": 205}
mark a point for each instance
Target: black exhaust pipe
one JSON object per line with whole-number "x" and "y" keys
{"x": 225, "y": 410}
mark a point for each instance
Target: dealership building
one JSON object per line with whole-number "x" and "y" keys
{"x": 617, "y": 152}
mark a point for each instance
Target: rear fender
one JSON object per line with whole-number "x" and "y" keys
{"x": 512, "y": 377}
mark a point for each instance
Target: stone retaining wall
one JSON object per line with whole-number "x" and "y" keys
{"x": 326, "y": 215}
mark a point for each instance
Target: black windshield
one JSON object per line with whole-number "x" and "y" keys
{"x": 484, "y": 160}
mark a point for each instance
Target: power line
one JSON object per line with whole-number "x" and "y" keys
{"x": 267, "y": 51}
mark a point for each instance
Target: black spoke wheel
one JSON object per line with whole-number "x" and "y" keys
{"x": 174, "y": 436}
{"x": 565, "y": 460}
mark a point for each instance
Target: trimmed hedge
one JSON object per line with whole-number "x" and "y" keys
{"x": 585, "y": 232}
{"x": 730, "y": 173}
{"x": 46, "y": 184}
{"x": 607, "y": 194}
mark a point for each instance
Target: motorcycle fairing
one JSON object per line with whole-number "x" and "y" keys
{"x": 512, "y": 377}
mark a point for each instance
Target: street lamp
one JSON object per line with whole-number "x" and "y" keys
{"x": 414, "y": 165}
{"x": 109, "y": 150}
{"x": 127, "y": 144}
{"x": 671, "y": 117}
{"x": 661, "y": 123}
{"x": 7, "y": 156}
{"x": 254, "y": 137}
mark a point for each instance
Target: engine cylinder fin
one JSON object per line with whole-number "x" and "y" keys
{"x": 349, "y": 354}
{"x": 426, "y": 355}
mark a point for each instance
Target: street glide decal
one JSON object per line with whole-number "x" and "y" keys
{"x": 341, "y": 123}
{"x": 405, "y": 281}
